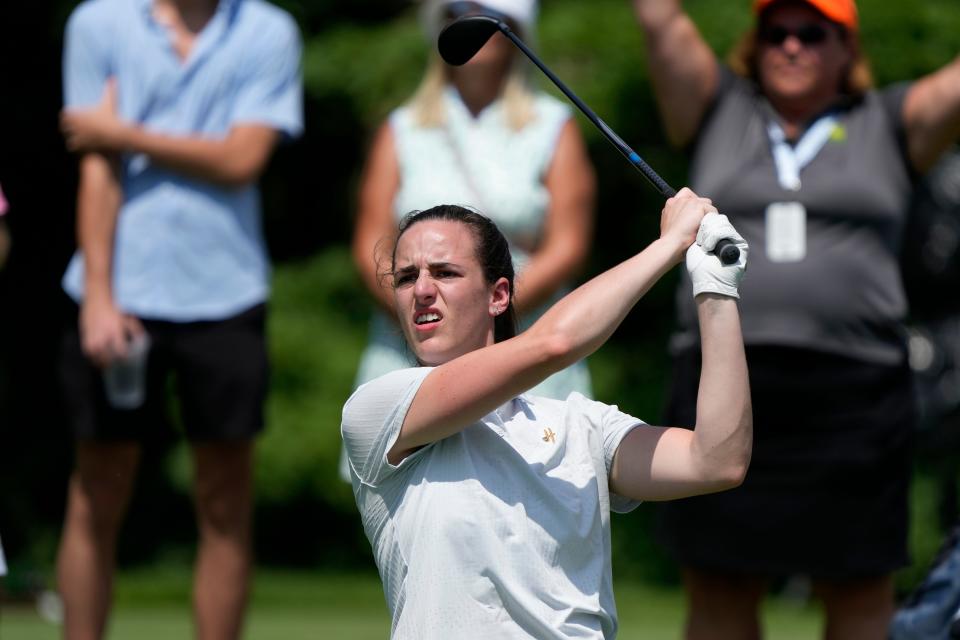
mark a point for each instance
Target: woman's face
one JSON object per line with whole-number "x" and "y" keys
{"x": 496, "y": 53}
{"x": 444, "y": 305}
{"x": 803, "y": 57}
{"x": 495, "y": 56}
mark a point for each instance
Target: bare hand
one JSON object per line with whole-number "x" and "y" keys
{"x": 96, "y": 129}
{"x": 681, "y": 218}
{"x": 105, "y": 332}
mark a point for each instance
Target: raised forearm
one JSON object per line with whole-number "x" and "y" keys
{"x": 655, "y": 15}
{"x": 724, "y": 431}
{"x": 583, "y": 320}
{"x": 682, "y": 66}
{"x": 931, "y": 114}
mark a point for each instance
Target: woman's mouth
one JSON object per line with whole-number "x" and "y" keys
{"x": 426, "y": 320}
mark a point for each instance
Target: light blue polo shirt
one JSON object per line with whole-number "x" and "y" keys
{"x": 185, "y": 249}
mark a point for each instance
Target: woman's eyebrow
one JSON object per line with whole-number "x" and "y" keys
{"x": 431, "y": 265}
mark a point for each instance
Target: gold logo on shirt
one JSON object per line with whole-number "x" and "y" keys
{"x": 549, "y": 436}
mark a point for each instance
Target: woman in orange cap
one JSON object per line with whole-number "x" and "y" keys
{"x": 815, "y": 168}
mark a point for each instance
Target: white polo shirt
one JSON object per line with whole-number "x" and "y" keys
{"x": 499, "y": 531}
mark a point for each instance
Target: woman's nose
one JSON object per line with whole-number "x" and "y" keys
{"x": 792, "y": 45}
{"x": 424, "y": 288}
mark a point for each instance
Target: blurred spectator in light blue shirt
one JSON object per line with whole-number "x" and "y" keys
{"x": 174, "y": 108}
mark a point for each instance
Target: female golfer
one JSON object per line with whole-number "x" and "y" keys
{"x": 487, "y": 509}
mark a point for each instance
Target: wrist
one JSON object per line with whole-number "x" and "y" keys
{"x": 124, "y": 138}
{"x": 97, "y": 294}
{"x": 710, "y": 300}
{"x": 676, "y": 248}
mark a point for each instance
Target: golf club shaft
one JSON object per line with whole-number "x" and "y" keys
{"x": 459, "y": 41}
{"x": 725, "y": 249}
{"x": 609, "y": 133}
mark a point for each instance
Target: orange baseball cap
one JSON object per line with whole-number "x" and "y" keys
{"x": 840, "y": 11}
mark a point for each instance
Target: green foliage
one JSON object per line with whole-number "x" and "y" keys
{"x": 317, "y": 331}
{"x": 376, "y": 77}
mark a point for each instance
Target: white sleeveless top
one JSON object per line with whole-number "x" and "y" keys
{"x": 482, "y": 163}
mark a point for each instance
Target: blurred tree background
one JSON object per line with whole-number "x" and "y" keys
{"x": 361, "y": 58}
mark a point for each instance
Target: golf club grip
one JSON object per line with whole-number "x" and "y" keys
{"x": 727, "y": 251}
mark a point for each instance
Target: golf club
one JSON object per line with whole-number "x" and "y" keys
{"x": 461, "y": 39}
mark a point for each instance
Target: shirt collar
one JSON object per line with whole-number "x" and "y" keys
{"x": 223, "y": 6}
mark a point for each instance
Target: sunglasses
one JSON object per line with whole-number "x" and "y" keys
{"x": 808, "y": 34}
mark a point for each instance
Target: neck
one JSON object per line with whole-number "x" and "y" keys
{"x": 796, "y": 115}
{"x": 193, "y": 13}
{"x": 477, "y": 91}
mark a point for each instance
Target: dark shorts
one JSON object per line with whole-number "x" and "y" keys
{"x": 826, "y": 494}
{"x": 217, "y": 371}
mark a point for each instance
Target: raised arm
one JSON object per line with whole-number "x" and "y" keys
{"x": 457, "y": 393}
{"x": 659, "y": 463}
{"x": 375, "y": 222}
{"x": 682, "y": 66}
{"x": 103, "y": 327}
{"x": 568, "y": 227}
{"x": 931, "y": 114}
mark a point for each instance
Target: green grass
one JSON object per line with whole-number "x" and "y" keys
{"x": 153, "y": 604}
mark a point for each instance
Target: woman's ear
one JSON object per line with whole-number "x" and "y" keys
{"x": 500, "y": 297}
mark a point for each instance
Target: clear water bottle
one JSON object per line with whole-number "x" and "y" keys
{"x": 125, "y": 380}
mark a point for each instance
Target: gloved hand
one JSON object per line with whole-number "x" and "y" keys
{"x": 708, "y": 274}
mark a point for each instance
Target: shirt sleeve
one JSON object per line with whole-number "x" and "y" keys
{"x": 372, "y": 418}
{"x": 271, "y": 93}
{"x": 86, "y": 57}
{"x": 616, "y": 425}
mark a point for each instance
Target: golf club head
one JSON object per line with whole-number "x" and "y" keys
{"x": 461, "y": 39}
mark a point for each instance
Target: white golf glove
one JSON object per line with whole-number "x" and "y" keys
{"x": 707, "y": 273}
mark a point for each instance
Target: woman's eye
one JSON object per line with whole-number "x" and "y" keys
{"x": 403, "y": 279}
